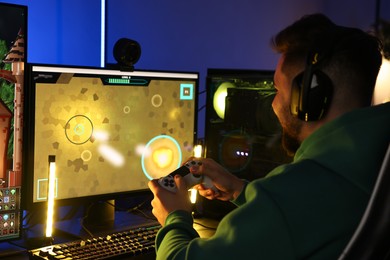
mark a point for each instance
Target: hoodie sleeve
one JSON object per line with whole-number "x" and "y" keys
{"x": 173, "y": 238}
{"x": 256, "y": 228}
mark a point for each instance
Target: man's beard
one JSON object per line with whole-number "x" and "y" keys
{"x": 290, "y": 142}
{"x": 290, "y": 137}
{"x": 291, "y": 130}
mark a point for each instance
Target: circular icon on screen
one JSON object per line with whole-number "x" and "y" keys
{"x": 126, "y": 109}
{"x": 86, "y": 155}
{"x": 157, "y": 100}
{"x": 160, "y": 156}
{"x": 78, "y": 129}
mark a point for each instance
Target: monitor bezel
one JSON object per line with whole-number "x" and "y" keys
{"x": 28, "y": 131}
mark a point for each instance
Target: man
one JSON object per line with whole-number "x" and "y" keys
{"x": 310, "y": 208}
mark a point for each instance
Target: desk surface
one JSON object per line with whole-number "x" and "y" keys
{"x": 205, "y": 227}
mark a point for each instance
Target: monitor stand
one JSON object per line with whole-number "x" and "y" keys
{"x": 99, "y": 216}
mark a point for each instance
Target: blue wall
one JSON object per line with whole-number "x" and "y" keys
{"x": 63, "y": 31}
{"x": 177, "y": 35}
{"x": 190, "y": 35}
{"x": 199, "y": 34}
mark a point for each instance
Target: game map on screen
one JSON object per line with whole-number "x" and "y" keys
{"x": 110, "y": 133}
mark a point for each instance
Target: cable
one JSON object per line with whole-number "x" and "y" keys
{"x": 201, "y": 108}
{"x": 84, "y": 227}
{"x": 202, "y": 92}
{"x": 82, "y": 220}
{"x": 137, "y": 209}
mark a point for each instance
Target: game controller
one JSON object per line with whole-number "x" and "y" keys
{"x": 190, "y": 179}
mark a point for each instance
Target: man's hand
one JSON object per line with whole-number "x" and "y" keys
{"x": 228, "y": 186}
{"x": 165, "y": 202}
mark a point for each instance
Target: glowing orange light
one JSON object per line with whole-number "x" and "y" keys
{"x": 162, "y": 157}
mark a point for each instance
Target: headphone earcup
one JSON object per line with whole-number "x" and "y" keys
{"x": 310, "y": 95}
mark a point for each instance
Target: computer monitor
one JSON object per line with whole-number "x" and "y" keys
{"x": 110, "y": 131}
{"x": 13, "y": 31}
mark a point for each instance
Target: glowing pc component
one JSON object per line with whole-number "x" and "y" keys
{"x": 219, "y": 98}
{"x": 198, "y": 151}
{"x": 198, "y": 154}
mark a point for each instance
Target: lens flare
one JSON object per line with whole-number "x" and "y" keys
{"x": 163, "y": 157}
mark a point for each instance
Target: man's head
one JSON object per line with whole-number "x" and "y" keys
{"x": 345, "y": 61}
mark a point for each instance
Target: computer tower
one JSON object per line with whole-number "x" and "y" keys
{"x": 246, "y": 137}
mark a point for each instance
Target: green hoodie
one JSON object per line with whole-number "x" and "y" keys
{"x": 308, "y": 209}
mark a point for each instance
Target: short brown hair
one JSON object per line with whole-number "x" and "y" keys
{"x": 350, "y": 56}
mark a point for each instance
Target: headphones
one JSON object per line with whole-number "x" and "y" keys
{"x": 311, "y": 91}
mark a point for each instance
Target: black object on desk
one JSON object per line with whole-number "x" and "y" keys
{"x": 137, "y": 241}
{"x": 69, "y": 232}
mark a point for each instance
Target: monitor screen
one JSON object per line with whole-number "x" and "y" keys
{"x": 108, "y": 131}
{"x": 13, "y": 31}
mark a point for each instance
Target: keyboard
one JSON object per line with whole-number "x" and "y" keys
{"x": 132, "y": 243}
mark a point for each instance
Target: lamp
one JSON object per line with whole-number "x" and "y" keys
{"x": 198, "y": 151}
{"x": 50, "y": 197}
{"x": 197, "y": 154}
{"x": 382, "y": 89}
{"x": 382, "y": 30}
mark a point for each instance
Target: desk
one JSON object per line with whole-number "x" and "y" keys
{"x": 69, "y": 230}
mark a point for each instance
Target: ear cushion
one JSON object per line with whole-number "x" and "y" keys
{"x": 310, "y": 95}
